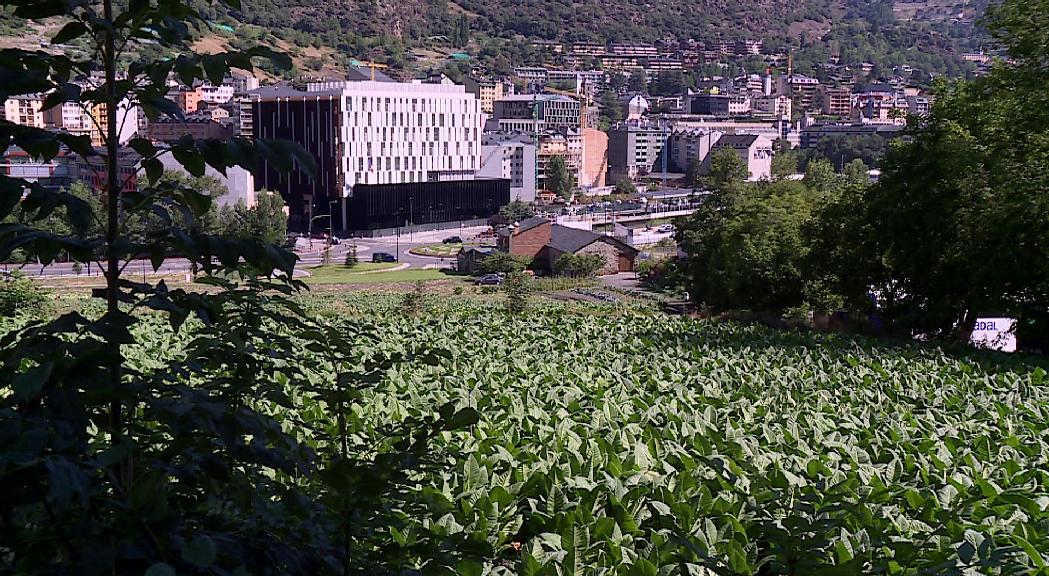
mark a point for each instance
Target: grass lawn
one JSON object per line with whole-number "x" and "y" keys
{"x": 438, "y": 250}
{"x": 342, "y": 275}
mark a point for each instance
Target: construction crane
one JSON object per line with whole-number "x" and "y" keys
{"x": 368, "y": 64}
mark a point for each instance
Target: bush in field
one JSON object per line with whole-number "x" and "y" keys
{"x": 517, "y": 288}
{"x": 351, "y": 257}
{"x": 661, "y": 274}
{"x": 19, "y": 295}
{"x": 413, "y": 303}
{"x": 503, "y": 263}
{"x": 579, "y": 265}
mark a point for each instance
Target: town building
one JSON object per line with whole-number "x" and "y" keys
{"x": 196, "y": 126}
{"x": 511, "y": 157}
{"x": 93, "y": 170}
{"x": 566, "y": 144}
{"x": 594, "y": 168}
{"x": 370, "y": 132}
{"x": 486, "y": 91}
{"x": 748, "y": 47}
{"x": 530, "y": 113}
{"x": 803, "y": 89}
{"x": 755, "y": 151}
{"x": 811, "y": 135}
{"x": 71, "y": 118}
{"x": 241, "y": 81}
{"x": 836, "y": 100}
{"x": 635, "y": 149}
{"x": 216, "y": 94}
{"x": 25, "y": 110}
{"x": 56, "y": 173}
{"x": 772, "y": 107}
{"x": 187, "y": 99}
{"x": 688, "y": 146}
{"x": 589, "y": 49}
{"x": 720, "y": 105}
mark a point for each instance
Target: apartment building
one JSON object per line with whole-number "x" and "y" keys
{"x": 635, "y": 149}
{"x": 511, "y": 157}
{"x": 188, "y": 99}
{"x": 196, "y": 126}
{"x": 25, "y": 110}
{"x": 217, "y": 94}
{"x": 771, "y": 107}
{"x": 687, "y": 146}
{"x": 486, "y": 91}
{"x": 568, "y": 144}
{"x": 803, "y": 89}
{"x": 836, "y": 100}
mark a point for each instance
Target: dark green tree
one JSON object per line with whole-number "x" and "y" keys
{"x": 726, "y": 171}
{"x": 960, "y": 209}
{"x": 516, "y": 211}
{"x": 637, "y": 83}
{"x": 558, "y": 179}
{"x": 625, "y": 187}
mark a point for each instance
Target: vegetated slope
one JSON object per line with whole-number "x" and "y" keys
{"x": 620, "y": 20}
{"x": 549, "y": 19}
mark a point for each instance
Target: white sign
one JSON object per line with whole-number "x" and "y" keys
{"x": 995, "y": 334}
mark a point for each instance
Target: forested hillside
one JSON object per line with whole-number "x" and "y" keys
{"x": 494, "y": 30}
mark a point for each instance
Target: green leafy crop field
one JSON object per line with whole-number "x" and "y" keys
{"x": 640, "y": 444}
{"x": 619, "y": 442}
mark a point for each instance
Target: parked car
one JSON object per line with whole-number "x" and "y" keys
{"x": 489, "y": 280}
{"x": 383, "y": 257}
{"x": 452, "y": 240}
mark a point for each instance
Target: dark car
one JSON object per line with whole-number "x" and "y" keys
{"x": 453, "y": 240}
{"x": 383, "y": 257}
{"x": 489, "y": 280}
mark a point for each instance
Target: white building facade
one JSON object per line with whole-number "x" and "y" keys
{"x": 392, "y": 132}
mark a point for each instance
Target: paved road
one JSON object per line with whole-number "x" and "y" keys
{"x": 308, "y": 257}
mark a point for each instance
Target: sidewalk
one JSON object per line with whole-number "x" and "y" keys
{"x": 431, "y": 235}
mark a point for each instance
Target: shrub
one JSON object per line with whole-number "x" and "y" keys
{"x": 579, "y": 265}
{"x": 503, "y": 263}
{"x": 414, "y": 302}
{"x": 351, "y": 257}
{"x": 661, "y": 274}
{"x": 19, "y": 295}
{"x": 517, "y": 287}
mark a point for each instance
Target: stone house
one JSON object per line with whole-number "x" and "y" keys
{"x": 544, "y": 242}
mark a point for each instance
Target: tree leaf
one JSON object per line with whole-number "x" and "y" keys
{"x": 200, "y": 552}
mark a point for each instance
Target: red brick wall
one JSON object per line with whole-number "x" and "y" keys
{"x": 531, "y": 242}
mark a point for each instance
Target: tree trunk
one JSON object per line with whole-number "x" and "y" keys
{"x": 109, "y": 62}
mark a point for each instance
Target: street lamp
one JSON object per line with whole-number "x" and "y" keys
{"x": 309, "y": 226}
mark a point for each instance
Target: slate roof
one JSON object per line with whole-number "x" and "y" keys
{"x": 572, "y": 240}
{"x": 530, "y": 223}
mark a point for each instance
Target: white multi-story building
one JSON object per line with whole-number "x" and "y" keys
{"x": 25, "y": 110}
{"x": 217, "y": 94}
{"x": 396, "y": 132}
{"x": 368, "y": 132}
